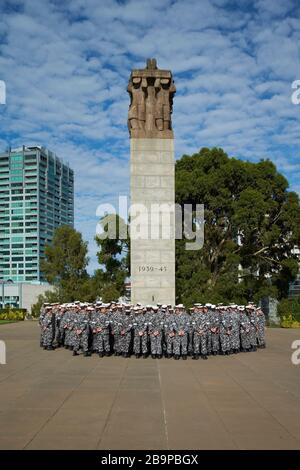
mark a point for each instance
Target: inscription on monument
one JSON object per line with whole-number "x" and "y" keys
{"x": 152, "y": 268}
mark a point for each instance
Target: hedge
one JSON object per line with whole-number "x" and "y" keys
{"x": 289, "y": 311}
{"x": 12, "y": 309}
{"x": 13, "y": 314}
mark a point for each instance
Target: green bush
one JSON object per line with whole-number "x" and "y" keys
{"x": 12, "y": 314}
{"x": 289, "y": 311}
{"x": 48, "y": 296}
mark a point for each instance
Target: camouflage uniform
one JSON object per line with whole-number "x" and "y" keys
{"x": 103, "y": 344}
{"x": 201, "y": 327}
{"x": 225, "y": 332}
{"x": 169, "y": 332}
{"x": 260, "y": 332}
{"x": 182, "y": 329}
{"x": 156, "y": 326}
{"x": 235, "y": 343}
{"x": 140, "y": 336}
{"x": 253, "y": 328}
{"x": 81, "y": 333}
{"x": 58, "y": 332}
{"x": 41, "y": 318}
{"x": 208, "y": 334}
{"x": 69, "y": 330}
{"x": 64, "y": 325}
{"x": 245, "y": 331}
{"x": 126, "y": 327}
{"x": 116, "y": 325}
{"x": 93, "y": 325}
{"x": 214, "y": 319}
{"x": 48, "y": 326}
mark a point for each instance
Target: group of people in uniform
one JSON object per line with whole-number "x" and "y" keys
{"x": 156, "y": 331}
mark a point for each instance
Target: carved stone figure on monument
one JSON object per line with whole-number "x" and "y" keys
{"x": 164, "y": 101}
{"x": 137, "y": 110}
{"x": 151, "y": 91}
{"x": 150, "y": 108}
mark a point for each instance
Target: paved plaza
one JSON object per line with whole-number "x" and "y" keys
{"x": 51, "y": 400}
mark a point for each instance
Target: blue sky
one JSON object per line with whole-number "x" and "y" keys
{"x": 66, "y": 67}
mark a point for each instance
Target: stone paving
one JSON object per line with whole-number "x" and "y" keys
{"x": 51, "y": 400}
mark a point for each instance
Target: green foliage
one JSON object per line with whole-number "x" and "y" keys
{"x": 113, "y": 256}
{"x": 12, "y": 309}
{"x": 288, "y": 321}
{"x": 12, "y": 314}
{"x": 245, "y": 201}
{"x": 65, "y": 263}
{"x": 289, "y": 311}
{"x": 48, "y": 296}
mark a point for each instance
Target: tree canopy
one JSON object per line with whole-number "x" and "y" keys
{"x": 252, "y": 224}
{"x": 65, "y": 263}
{"x": 113, "y": 257}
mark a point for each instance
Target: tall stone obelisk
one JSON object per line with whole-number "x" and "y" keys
{"x": 152, "y": 171}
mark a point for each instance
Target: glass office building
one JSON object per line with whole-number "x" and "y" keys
{"x": 36, "y": 196}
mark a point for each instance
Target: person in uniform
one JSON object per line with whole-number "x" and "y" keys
{"x": 260, "y": 329}
{"x": 140, "y": 346}
{"x": 201, "y": 327}
{"x": 48, "y": 327}
{"x": 116, "y": 326}
{"x": 169, "y": 331}
{"x": 215, "y": 329}
{"x": 225, "y": 331}
{"x": 93, "y": 326}
{"x": 251, "y": 312}
{"x": 245, "y": 330}
{"x": 156, "y": 325}
{"x": 41, "y": 318}
{"x": 100, "y": 328}
{"x": 82, "y": 330}
{"x": 235, "y": 343}
{"x": 125, "y": 331}
{"x": 182, "y": 329}
{"x": 58, "y": 312}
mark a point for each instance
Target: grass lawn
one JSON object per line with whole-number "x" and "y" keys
{"x": 7, "y": 321}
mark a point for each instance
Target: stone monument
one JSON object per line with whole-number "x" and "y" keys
{"x": 152, "y": 172}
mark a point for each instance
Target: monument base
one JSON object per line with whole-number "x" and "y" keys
{"x": 153, "y": 186}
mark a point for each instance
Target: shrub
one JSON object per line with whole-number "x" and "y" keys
{"x": 12, "y": 314}
{"x": 289, "y": 322}
{"x": 289, "y": 311}
{"x": 48, "y": 296}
